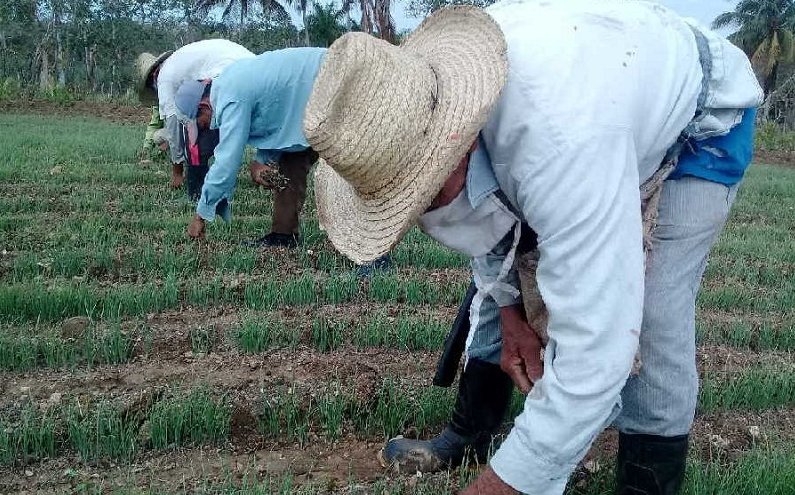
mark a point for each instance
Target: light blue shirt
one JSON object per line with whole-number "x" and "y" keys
{"x": 258, "y": 101}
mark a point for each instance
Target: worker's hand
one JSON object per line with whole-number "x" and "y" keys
{"x": 256, "y": 170}
{"x": 488, "y": 483}
{"x": 521, "y": 349}
{"x": 196, "y": 228}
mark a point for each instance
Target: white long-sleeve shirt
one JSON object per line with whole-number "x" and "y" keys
{"x": 596, "y": 94}
{"x": 204, "y": 59}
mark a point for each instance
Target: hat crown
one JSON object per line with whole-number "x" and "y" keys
{"x": 143, "y": 63}
{"x": 361, "y": 71}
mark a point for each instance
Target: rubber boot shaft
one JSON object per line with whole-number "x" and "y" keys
{"x": 650, "y": 464}
{"x": 484, "y": 394}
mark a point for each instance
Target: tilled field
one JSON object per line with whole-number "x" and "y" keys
{"x": 135, "y": 361}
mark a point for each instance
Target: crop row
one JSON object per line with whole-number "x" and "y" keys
{"x": 107, "y": 429}
{"x": 36, "y": 301}
{"x": 103, "y": 429}
{"x": 93, "y": 345}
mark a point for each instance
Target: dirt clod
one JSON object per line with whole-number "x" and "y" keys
{"x": 75, "y": 327}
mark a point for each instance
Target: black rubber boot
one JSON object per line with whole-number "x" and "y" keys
{"x": 650, "y": 464}
{"x": 484, "y": 394}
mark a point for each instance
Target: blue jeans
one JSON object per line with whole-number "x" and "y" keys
{"x": 661, "y": 400}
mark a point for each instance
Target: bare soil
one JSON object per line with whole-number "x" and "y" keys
{"x": 243, "y": 378}
{"x": 114, "y": 112}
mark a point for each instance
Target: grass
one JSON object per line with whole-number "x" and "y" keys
{"x": 753, "y": 389}
{"x": 31, "y": 437}
{"x": 101, "y": 431}
{"x": 86, "y": 230}
{"x": 25, "y": 351}
{"x": 194, "y": 418}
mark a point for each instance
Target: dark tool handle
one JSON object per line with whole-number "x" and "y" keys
{"x": 454, "y": 344}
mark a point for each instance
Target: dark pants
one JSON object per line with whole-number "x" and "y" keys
{"x": 288, "y": 202}
{"x": 206, "y": 141}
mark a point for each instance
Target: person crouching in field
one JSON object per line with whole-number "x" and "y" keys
{"x": 567, "y": 117}
{"x": 159, "y": 79}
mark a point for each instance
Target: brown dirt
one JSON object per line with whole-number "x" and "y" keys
{"x": 779, "y": 157}
{"x": 114, "y": 112}
{"x": 244, "y": 378}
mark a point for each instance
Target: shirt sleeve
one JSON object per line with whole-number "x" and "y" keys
{"x": 487, "y": 269}
{"x": 235, "y": 125}
{"x": 176, "y": 145}
{"x": 585, "y": 206}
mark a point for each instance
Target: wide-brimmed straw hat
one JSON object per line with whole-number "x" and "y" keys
{"x": 392, "y": 123}
{"x": 145, "y": 64}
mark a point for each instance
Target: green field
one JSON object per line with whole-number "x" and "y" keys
{"x": 133, "y": 360}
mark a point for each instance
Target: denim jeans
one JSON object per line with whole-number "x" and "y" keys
{"x": 661, "y": 399}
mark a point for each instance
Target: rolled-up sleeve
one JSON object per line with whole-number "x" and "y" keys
{"x": 584, "y": 205}
{"x": 219, "y": 184}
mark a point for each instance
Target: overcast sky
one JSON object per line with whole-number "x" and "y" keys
{"x": 703, "y": 10}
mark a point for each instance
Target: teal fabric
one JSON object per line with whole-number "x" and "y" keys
{"x": 721, "y": 159}
{"x": 258, "y": 101}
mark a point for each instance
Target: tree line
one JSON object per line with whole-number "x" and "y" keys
{"x": 90, "y": 45}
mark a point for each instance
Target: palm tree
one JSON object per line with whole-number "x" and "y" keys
{"x": 325, "y": 24}
{"x": 765, "y": 33}
{"x": 302, "y": 7}
{"x": 376, "y": 17}
{"x": 268, "y": 6}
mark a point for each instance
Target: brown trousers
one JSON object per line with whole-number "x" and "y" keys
{"x": 288, "y": 202}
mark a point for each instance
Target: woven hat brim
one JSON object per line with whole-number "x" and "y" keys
{"x": 146, "y": 95}
{"x": 467, "y": 51}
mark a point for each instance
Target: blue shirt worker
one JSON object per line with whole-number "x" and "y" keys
{"x": 260, "y": 102}
{"x": 569, "y": 117}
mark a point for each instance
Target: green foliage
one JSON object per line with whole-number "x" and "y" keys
{"x": 10, "y": 89}
{"x": 202, "y": 339}
{"x": 325, "y": 24}
{"x": 30, "y": 437}
{"x": 101, "y": 431}
{"x": 22, "y": 351}
{"x": 326, "y": 334}
{"x": 755, "y": 389}
{"x": 764, "y": 33}
{"x": 258, "y": 334}
{"x": 195, "y": 418}
{"x": 283, "y": 414}
{"x": 772, "y": 137}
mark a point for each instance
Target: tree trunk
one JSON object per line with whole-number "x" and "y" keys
{"x": 770, "y": 80}
{"x": 59, "y": 58}
{"x": 44, "y": 72}
{"x": 306, "y": 28}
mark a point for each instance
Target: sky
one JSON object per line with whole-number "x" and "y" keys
{"x": 702, "y": 10}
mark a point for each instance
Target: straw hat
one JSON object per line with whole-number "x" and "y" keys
{"x": 145, "y": 64}
{"x": 392, "y": 123}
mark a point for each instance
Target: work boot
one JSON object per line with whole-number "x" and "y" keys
{"x": 274, "y": 240}
{"x": 484, "y": 394}
{"x": 650, "y": 464}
